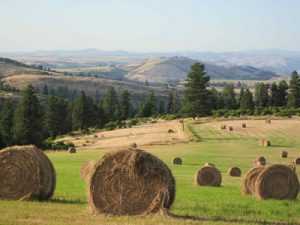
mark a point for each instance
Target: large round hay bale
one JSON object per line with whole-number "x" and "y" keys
{"x": 248, "y": 184}
{"x": 130, "y": 182}
{"x": 297, "y": 161}
{"x": 264, "y": 143}
{"x": 234, "y": 172}
{"x": 72, "y": 150}
{"x": 208, "y": 176}
{"x": 177, "y": 161}
{"x": 284, "y": 154}
{"x": 244, "y": 125}
{"x": 223, "y": 127}
{"x": 26, "y": 173}
{"x": 86, "y": 169}
{"x": 260, "y": 161}
{"x": 230, "y": 128}
{"x": 268, "y": 120}
{"x": 277, "y": 182}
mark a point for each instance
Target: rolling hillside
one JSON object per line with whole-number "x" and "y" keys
{"x": 175, "y": 69}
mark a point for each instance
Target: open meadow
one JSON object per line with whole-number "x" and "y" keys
{"x": 213, "y": 205}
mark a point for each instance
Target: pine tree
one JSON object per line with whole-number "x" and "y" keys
{"x": 214, "y": 99}
{"x": 261, "y": 95}
{"x": 161, "y": 108}
{"x": 172, "y": 103}
{"x": 56, "y": 121}
{"x": 246, "y": 101}
{"x": 293, "y": 99}
{"x": 228, "y": 97}
{"x": 148, "y": 108}
{"x": 27, "y": 128}
{"x": 80, "y": 113}
{"x": 125, "y": 105}
{"x": 196, "y": 102}
{"x": 111, "y": 105}
{"x": 6, "y": 123}
{"x": 282, "y": 93}
{"x": 274, "y": 95}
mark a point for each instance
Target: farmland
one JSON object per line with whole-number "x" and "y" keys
{"x": 223, "y": 205}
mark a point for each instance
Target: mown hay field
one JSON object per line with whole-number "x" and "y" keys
{"x": 215, "y": 205}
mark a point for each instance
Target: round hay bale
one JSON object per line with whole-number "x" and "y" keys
{"x": 223, "y": 127}
{"x": 72, "y": 150}
{"x": 260, "y": 161}
{"x": 26, "y": 173}
{"x": 230, "y": 128}
{"x": 244, "y": 125}
{"x": 170, "y": 131}
{"x": 248, "y": 184}
{"x": 208, "y": 176}
{"x": 133, "y": 146}
{"x": 95, "y": 135}
{"x": 277, "y": 182}
{"x": 284, "y": 154}
{"x": 234, "y": 172}
{"x": 86, "y": 169}
{"x": 297, "y": 161}
{"x": 130, "y": 182}
{"x": 268, "y": 120}
{"x": 267, "y": 143}
{"x": 177, "y": 161}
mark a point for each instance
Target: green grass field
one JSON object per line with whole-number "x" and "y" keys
{"x": 223, "y": 205}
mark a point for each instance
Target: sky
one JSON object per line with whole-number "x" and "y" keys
{"x": 149, "y": 25}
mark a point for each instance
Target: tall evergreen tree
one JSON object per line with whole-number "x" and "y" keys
{"x": 172, "y": 103}
{"x": 261, "y": 95}
{"x": 149, "y": 107}
{"x": 282, "y": 93}
{"x": 6, "y": 123}
{"x": 56, "y": 121}
{"x": 196, "y": 102}
{"x": 125, "y": 105}
{"x": 274, "y": 95}
{"x": 27, "y": 128}
{"x": 228, "y": 97}
{"x": 246, "y": 101}
{"x": 161, "y": 108}
{"x": 293, "y": 99}
{"x": 111, "y": 105}
{"x": 80, "y": 113}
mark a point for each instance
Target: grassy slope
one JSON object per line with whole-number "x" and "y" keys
{"x": 222, "y": 204}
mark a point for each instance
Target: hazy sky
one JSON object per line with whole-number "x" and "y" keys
{"x": 149, "y": 25}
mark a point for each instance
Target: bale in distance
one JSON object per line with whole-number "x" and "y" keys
{"x": 230, "y": 128}
{"x": 260, "y": 161}
{"x": 208, "y": 176}
{"x": 284, "y": 154}
{"x": 223, "y": 127}
{"x": 86, "y": 169}
{"x": 297, "y": 161}
{"x": 177, "y": 161}
{"x": 268, "y": 120}
{"x": 133, "y": 146}
{"x": 264, "y": 143}
{"x": 72, "y": 150}
{"x": 170, "y": 131}
{"x": 244, "y": 125}
{"x": 248, "y": 184}
{"x": 130, "y": 182}
{"x": 234, "y": 172}
{"x": 277, "y": 182}
{"x": 26, "y": 173}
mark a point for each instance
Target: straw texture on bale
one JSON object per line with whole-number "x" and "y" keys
{"x": 177, "y": 161}
{"x": 230, "y": 128}
{"x": 284, "y": 154}
{"x": 260, "y": 161}
{"x": 86, "y": 169}
{"x": 277, "y": 182}
{"x": 208, "y": 176}
{"x": 297, "y": 161}
{"x": 248, "y": 184}
{"x": 244, "y": 125}
{"x": 26, "y": 173}
{"x": 223, "y": 127}
{"x": 72, "y": 150}
{"x": 234, "y": 172}
{"x": 130, "y": 182}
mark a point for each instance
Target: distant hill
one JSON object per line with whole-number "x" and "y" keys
{"x": 175, "y": 69}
